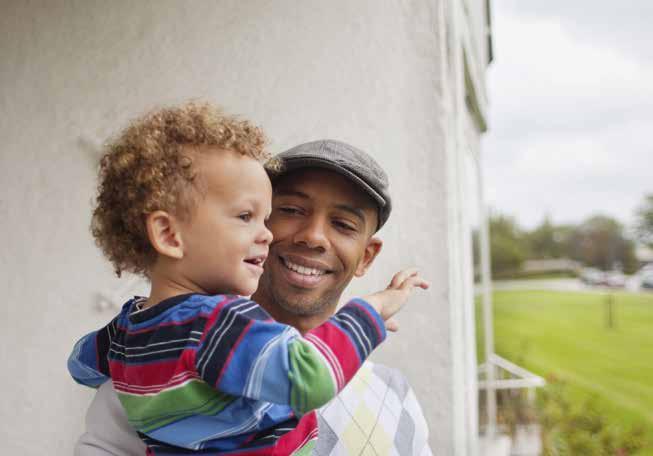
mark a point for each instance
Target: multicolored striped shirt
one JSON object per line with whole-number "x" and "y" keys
{"x": 377, "y": 413}
{"x": 203, "y": 374}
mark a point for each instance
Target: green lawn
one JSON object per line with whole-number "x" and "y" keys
{"x": 564, "y": 334}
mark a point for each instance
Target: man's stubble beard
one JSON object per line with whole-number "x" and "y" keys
{"x": 299, "y": 305}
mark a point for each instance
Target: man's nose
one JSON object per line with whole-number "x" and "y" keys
{"x": 313, "y": 234}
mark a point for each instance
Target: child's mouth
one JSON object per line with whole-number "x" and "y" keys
{"x": 258, "y": 260}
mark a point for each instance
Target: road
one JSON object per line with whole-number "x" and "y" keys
{"x": 632, "y": 285}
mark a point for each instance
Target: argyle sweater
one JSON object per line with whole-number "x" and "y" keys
{"x": 203, "y": 374}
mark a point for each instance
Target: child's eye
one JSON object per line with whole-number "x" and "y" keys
{"x": 245, "y": 216}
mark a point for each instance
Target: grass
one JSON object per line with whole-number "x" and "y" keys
{"x": 565, "y": 335}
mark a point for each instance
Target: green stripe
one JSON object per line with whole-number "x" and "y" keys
{"x": 311, "y": 382}
{"x": 146, "y": 413}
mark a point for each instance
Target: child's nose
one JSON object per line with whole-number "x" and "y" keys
{"x": 266, "y": 235}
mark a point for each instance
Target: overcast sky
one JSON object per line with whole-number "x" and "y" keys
{"x": 571, "y": 109}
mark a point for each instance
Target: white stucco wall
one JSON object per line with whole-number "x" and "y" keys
{"x": 72, "y": 72}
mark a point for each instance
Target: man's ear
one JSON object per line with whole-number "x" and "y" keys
{"x": 164, "y": 235}
{"x": 372, "y": 249}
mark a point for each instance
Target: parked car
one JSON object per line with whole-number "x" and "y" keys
{"x": 647, "y": 268}
{"x": 614, "y": 279}
{"x": 592, "y": 276}
{"x": 647, "y": 279}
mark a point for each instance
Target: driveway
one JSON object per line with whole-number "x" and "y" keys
{"x": 632, "y": 285}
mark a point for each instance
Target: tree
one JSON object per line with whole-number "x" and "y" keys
{"x": 548, "y": 240}
{"x": 600, "y": 242}
{"x": 506, "y": 244}
{"x": 644, "y": 221}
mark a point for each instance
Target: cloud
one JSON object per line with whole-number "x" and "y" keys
{"x": 546, "y": 81}
{"x": 569, "y": 117}
{"x": 625, "y": 25}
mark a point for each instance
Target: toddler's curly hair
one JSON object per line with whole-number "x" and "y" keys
{"x": 148, "y": 167}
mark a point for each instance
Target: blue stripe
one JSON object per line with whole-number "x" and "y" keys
{"x": 82, "y": 363}
{"x": 267, "y": 380}
{"x": 204, "y": 428}
{"x": 192, "y": 307}
{"x": 380, "y": 324}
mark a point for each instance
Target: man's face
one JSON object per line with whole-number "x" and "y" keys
{"x": 322, "y": 226}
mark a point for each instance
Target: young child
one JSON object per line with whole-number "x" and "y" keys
{"x": 183, "y": 199}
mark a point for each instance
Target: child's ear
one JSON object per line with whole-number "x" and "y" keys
{"x": 163, "y": 232}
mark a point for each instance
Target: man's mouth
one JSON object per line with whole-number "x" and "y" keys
{"x": 303, "y": 270}
{"x": 307, "y": 274}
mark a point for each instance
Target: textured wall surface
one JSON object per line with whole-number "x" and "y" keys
{"x": 367, "y": 72}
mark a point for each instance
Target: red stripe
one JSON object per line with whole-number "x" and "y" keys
{"x": 290, "y": 442}
{"x": 158, "y": 373}
{"x": 341, "y": 346}
{"x": 296, "y": 438}
{"x": 336, "y": 369}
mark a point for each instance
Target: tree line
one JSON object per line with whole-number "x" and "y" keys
{"x": 599, "y": 241}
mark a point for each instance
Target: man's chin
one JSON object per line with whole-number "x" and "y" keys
{"x": 276, "y": 291}
{"x": 303, "y": 309}
{"x": 304, "y": 302}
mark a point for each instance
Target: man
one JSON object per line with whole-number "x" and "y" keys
{"x": 329, "y": 200}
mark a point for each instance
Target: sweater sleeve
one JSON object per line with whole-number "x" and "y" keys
{"x": 243, "y": 352}
{"x": 88, "y": 363}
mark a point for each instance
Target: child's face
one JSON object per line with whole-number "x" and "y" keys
{"x": 225, "y": 240}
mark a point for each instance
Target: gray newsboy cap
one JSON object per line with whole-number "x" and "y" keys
{"x": 346, "y": 160}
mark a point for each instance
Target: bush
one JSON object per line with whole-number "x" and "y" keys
{"x": 581, "y": 429}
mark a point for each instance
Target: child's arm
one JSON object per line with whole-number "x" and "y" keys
{"x": 243, "y": 353}
{"x": 88, "y": 363}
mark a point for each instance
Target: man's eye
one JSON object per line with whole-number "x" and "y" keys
{"x": 344, "y": 226}
{"x": 245, "y": 216}
{"x": 288, "y": 209}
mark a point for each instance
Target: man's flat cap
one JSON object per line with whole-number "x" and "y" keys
{"x": 343, "y": 159}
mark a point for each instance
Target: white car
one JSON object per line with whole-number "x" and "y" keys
{"x": 646, "y": 269}
{"x": 646, "y": 279}
{"x": 615, "y": 279}
{"x": 592, "y": 276}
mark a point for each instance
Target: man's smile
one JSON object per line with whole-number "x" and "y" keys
{"x": 303, "y": 272}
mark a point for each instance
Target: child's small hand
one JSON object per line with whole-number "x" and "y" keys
{"x": 389, "y": 301}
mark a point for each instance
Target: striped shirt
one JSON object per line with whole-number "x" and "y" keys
{"x": 377, "y": 413}
{"x": 216, "y": 375}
